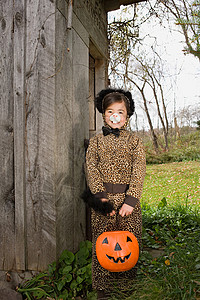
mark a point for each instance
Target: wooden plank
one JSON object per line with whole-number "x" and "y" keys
{"x": 115, "y": 4}
{"x": 7, "y": 202}
{"x": 101, "y": 80}
{"x": 72, "y": 126}
{"x": 92, "y": 111}
{"x": 93, "y": 17}
{"x": 64, "y": 136}
{"x": 19, "y": 131}
{"x": 80, "y": 132}
{"x": 40, "y": 134}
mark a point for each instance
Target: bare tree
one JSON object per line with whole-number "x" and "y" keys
{"x": 142, "y": 74}
{"x": 188, "y": 116}
{"x": 145, "y": 101}
{"x": 186, "y": 14}
{"x": 123, "y": 35}
{"x": 153, "y": 74}
{"x": 131, "y": 67}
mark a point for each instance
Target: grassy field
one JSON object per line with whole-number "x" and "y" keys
{"x": 178, "y": 182}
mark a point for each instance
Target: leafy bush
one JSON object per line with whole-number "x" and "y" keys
{"x": 182, "y": 154}
{"x": 69, "y": 278}
{"x": 190, "y": 153}
{"x": 163, "y": 226}
{"x": 184, "y": 149}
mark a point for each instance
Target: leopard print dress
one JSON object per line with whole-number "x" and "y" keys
{"x": 115, "y": 160}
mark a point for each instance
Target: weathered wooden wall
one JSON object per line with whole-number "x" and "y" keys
{"x": 72, "y": 128}
{"x": 40, "y": 136}
{"x": 7, "y": 201}
{"x": 19, "y": 96}
{"x": 44, "y": 73}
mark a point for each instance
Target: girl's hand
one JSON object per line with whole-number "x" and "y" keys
{"x": 113, "y": 212}
{"x": 125, "y": 210}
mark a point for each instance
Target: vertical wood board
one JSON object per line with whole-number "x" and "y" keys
{"x": 64, "y": 134}
{"x": 40, "y": 134}
{"x": 80, "y": 131}
{"x": 100, "y": 84}
{"x": 19, "y": 131}
{"x": 92, "y": 112}
{"x": 7, "y": 201}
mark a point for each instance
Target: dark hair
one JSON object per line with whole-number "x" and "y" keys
{"x": 113, "y": 98}
{"x": 108, "y": 96}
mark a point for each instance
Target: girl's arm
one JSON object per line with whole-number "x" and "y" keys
{"x": 94, "y": 176}
{"x": 98, "y": 201}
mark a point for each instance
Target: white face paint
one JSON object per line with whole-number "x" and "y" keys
{"x": 115, "y": 118}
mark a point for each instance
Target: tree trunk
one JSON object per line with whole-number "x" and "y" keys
{"x": 154, "y": 136}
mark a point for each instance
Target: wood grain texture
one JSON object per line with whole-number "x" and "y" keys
{"x": 94, "y": 19}
{"x": 19, "y": 96}
{"x": 64, "y": 135}
{"x": 7, "y": 202}
{"x": 72, "y": 127}
{"x": 80, "y": 131}
{"x": 40, "y": 134}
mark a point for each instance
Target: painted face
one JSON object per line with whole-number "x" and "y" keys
{"x": 116, "y": 115}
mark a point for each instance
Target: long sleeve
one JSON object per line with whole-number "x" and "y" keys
{"x": 134, "y": 192}
{"x": 94, "y": 176}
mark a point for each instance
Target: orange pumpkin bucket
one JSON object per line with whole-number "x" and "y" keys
{"x": 117, "y": 251}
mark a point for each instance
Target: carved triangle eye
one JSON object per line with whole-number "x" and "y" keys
{"x": 129, "y": 239}
{"x": 105, "y": 241}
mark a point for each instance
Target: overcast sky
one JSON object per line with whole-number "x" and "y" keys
{"x": 186, "y": 66}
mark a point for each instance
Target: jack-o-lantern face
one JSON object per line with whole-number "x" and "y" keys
{"x": 117, "y": 251}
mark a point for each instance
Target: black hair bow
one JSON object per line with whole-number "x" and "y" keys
{"x": 107, "y": 130}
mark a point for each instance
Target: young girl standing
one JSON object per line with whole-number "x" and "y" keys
{"x": 116, "y": 166}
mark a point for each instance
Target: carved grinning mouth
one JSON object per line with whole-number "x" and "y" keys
{"x": 122, "y": 260}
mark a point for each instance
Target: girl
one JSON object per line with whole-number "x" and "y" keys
{"x": 115, "y": 163}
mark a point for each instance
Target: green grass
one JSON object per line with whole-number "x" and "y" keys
{"x": 178, "y": 182}
{"x": 174, "y": 274}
